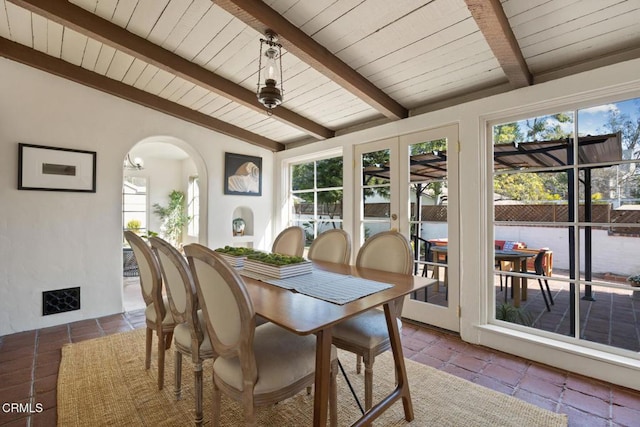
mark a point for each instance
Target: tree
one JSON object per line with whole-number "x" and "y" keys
{"x": 533, "y": 186}
{"x": 173, "y": 216}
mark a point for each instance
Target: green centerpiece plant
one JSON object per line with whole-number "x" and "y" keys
{"x": 236, "y": 251}
{"x": 275, "y": 259}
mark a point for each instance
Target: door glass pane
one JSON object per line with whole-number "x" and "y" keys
{"x": 134, "y": 204}
{"x": 427, "y": 187}
{"x": 376, "y": 192}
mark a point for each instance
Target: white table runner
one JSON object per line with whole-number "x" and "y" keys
{"x": 332, "y": 287}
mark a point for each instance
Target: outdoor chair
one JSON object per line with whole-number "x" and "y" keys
{"x": 290, "y": 241}
{"x": 367, "y": 334}
{"x": 331, "y": 246}
{"x": 539, "y": 269}
{"x": 190, "y": 337}
{"x": 157, "y": 313}
{"x": 256, "y": 366}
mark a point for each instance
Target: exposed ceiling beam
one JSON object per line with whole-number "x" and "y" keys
{"x": 33, "y": 58}
{"x": 92, "y": 26}
{"x": 495, "y": 27}
{"x": 261, "y": 17}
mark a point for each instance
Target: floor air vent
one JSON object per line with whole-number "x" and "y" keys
{"x": 60, "y": 300}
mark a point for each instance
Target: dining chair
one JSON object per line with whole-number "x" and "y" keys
{"x": 367, "y": 334}
{"x": 333, "y": 245}
{"x": 539, "y": 269}
{"x": 157, "y": 313}
{"x": 290, "y": 241}
{"x": 256, "y": 366}
{"x": 189, "y": 336}
{"x": 538, "y": 264}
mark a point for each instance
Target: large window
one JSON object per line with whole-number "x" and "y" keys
{"x": 134, "y": 204}
{"x": 576, "y": 199}
{"x": 316, "y": 194}
{"x": 193, "y": 206}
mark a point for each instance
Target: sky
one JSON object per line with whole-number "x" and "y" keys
{"x": 590, "y": 120}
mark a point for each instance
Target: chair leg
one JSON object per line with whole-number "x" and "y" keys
{"x": 249, "y": 408}
{"x": 333, "y": 395}
{"x": 544, "y": 296}
{"x": 168, "y": 340}
{"x": 161, "y": 349}
{"x": 368, "y": 383}
{"x": 147, "y": 348}
{"x": 197, "y": 374}
{"x": 215, "y": 416}
{"x": 178, "y": 374}
{"x": 546, "y": 282}
{"x": 358, "y": 364}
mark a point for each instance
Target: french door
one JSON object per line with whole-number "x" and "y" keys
{"x": 409, "y": 183}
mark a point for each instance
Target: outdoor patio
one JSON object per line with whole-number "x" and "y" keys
{"x": 612, "y": 318}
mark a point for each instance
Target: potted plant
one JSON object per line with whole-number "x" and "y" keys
{"x": 174, "y": 217}
{"x": 634, "y": 280}
{"x": 510, "y": 313}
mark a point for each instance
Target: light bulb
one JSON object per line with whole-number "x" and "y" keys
{"x": 271, "y": 66}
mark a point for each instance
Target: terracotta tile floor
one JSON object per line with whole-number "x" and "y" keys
{"x": 29, "y": 368}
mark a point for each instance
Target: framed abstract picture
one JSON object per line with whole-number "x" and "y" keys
{"x": 56, "y": 169}
{"x": 242, "y": 175}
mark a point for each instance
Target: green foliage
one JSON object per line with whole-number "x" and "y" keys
{"x": 635, "y": 280}
{"x": 134, "y": 225}
{"x": 507, "y": 133}
{"x": 532, "y": 186}
{"x": 275, "y": 259}
{"x": 236, "y": 251}
{"x": 521, "y": 186}
{"x": 328, "y": 175}
{"x": 509, "y": 313}
{"x": 173, "y": 216}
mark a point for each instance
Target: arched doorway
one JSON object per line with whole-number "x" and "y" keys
{"x": 153, "y": 168}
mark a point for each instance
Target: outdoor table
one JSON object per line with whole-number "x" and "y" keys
{"x": 519, "y": 259}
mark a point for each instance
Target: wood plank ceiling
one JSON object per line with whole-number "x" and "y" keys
{"x": 347, "y": 64}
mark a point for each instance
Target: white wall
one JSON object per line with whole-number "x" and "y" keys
{"x": 616, "y": 82}
{"x": 52, "y": 240}
{"x": 626, "y": 249}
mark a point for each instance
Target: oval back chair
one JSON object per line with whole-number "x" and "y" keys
{"x": 331, "y": 246}
{"x": 157, "y": 313}
{"x": 189, "y": 334}
{"x": 367, "y": 334}
{"x": 290, "y": 241}
{"x": 256, "y": 366}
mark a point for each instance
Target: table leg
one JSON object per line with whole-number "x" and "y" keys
{"x": 515, "y": 283}
{"x": 523, "y": 269}
{"x": 322, "y": 377}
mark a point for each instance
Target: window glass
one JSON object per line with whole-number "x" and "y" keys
{"x": 134, "y": 204}
{"x": 578, "y": 201}
{"x": 316, "y": 196}
{"x": 193, "y": 206}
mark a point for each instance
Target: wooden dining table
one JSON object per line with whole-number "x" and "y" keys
{"x": 304, "y": 315}
{"x": 517, "y": 258}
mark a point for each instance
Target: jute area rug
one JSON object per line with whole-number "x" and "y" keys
{"x": 103, "y": 382}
